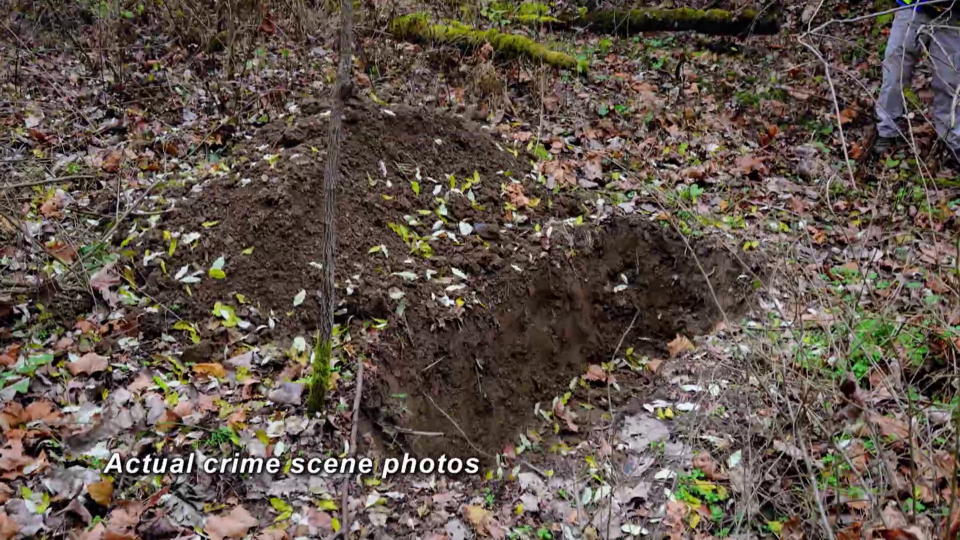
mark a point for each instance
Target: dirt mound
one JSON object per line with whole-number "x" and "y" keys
{"x": 272, "y": 205}
{"x": 493, "y": 300}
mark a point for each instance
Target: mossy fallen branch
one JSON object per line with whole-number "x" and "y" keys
{"x": 417, "y": 27}
{"x": 711, "y": 21}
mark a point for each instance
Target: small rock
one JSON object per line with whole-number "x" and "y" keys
{"x": 531, "y": 482}
{"x": 640, "y": 430}
{"x": 456, "y": 530}
{"x": 810, "y": 166}
{"x": 287, "y": 394}
{"x": 487, "y": 232}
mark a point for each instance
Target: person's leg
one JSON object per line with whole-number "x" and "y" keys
{"x": 945, "y": 55}
{"x": 903, "y": 51}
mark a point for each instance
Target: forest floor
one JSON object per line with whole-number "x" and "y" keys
{"x": 672, "y": 296}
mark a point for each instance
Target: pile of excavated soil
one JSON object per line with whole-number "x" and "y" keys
{"x": 500, "y": 316}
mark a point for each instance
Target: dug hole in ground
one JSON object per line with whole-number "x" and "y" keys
{"x": 469, "y": 333}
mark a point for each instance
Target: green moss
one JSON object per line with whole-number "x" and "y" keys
{"x": 534, "y": 8}
{"x": 320, "y": 381}
{"x": 712, "y": 21}
{"x": 534, "y": 19}
{"x": 417, "y": 27}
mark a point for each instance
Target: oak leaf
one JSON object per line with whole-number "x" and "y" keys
{"x": 233, "y": 525}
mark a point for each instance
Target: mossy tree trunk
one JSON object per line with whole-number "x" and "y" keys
{"x": 711, "y": 21}
{"x": 417, "y": 27}
{"x": 331, "y": 172}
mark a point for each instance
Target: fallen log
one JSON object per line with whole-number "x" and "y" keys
{"x": 417, "y": 27}
{"x": 711, "y": 21}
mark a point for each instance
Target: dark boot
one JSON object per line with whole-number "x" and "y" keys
{"x": 883, "y": 145}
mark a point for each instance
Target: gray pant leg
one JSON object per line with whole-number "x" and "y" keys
{"x": 903, "y": 51}
{"x": 945, "y": 55}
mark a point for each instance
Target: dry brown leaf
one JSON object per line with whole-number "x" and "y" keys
{"x": 8, "y": 527}
{"x": 211, "y": 369}
{"x": 11, "y": 416}
{"x": 123, "y": 520}
{"x": 654, "y": 364}
{"x": 893, "y": 428}
{"x": 679, "y": 345}
{"x": 105, "y": 278}
{"x": 561, "y": 412}
{"x": 705, "y": 462}
{"x": 61, "y": 250}
{"x": 479, "y": 518}
{"x": 6, "y": 493}
{"x": 95, "y": 533}
{"x": 142, "y": 382}
{"x": 111, "y": 163}
{"x": 89, "y": 363}
{"x": 233, "y": 525}
{"x": 9, "y": 356}
{"x": 747, "y": 164}
{"x": 557, "y": 174}
{"x": 40, "y": 410}
{"x": 13, "y": 462}
{"x": 102, "y": 492}
{"x": 515, "y": 195}
{"x": 676, "y": 511}
{"x": 595, "y": 373}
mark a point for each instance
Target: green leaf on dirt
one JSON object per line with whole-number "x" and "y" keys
{"x": 248, "y": 251}
{"x": 190, "y": 328}
{"x": 226, "y": 313}
{"x": 299, "y": 298}
{"x": 281, "y": 506}
{"x": 208, "y": 224}
{"x": 31, "y": 364}
{"x": 216, "y": 271}
{"x": 416, "y": 187}
{"x": 20, "y": 386}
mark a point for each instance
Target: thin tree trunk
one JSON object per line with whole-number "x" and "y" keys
{"x": 331, "y": 172}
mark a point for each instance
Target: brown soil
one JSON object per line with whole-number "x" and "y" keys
{"x": 535, "y": 311}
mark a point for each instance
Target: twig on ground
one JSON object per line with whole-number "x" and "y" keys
{"x": 62, "y": 179}
{"x": 813, "y": 483}
{"x": 109, "y": 234}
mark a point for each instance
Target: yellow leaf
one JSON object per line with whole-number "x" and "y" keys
{"x": 213, "y": 369}
{"x": 102, "y": 492}
{"x": 694, "y": 519}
